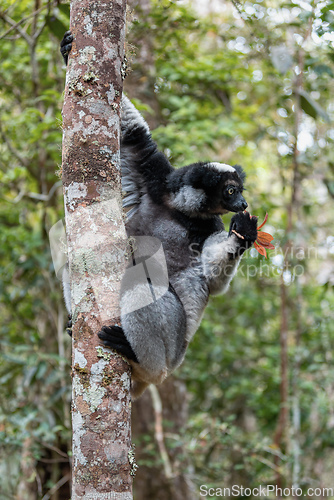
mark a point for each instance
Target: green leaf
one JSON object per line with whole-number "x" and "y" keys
{"x": 65, "y": 9}
{"x": 322, "y": 69}
{"x": 311, "y": 107}
{"x": 56, "y": 26}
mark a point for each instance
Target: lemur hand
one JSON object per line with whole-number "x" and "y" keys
{"x": 246, "y": 226}
{"x": 66, "y": 45}
{"x": 69, "y": 325}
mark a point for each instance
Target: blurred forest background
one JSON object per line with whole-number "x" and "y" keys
{"x": 247, "y": 82}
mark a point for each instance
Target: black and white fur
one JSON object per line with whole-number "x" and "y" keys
{"x": 181, "y": 209}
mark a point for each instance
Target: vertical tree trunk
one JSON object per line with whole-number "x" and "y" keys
{"x": 169, "y": 477}
{"x": 27, "y": 485}
{"x": 96, "y": 241}
{"x": 280, "y": 438}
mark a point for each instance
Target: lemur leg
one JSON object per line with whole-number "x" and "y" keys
{"x": 113, "y": 336}
{"x": 156, "y": 332}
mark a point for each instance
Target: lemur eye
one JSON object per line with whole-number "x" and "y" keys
{"x": 231, "y": 191}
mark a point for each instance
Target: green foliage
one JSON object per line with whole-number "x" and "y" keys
{"x": 34, "y": 360}
{"x": 222, "y": 95}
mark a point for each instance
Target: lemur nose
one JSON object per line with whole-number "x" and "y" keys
{"x": 244, "y": 205}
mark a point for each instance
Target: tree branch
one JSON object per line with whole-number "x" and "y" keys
{"x": 56, "y": 487}
{"x": 159, "y": 433}
{"x": 36, "y": 196}
{"x": 16, "y": 26}
{"x": 11, "y": 148}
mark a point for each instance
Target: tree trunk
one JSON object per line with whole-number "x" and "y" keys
{"x": 27, "y": 486}
{"x": 96, "y": 241}
{"x": 168, "y": 477}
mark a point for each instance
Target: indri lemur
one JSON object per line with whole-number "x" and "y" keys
{"x": 182, "y": 209}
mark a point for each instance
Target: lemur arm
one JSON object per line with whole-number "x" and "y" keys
{"x": 222, "y": 251}
{"x": 220, "y": 261}
{"x": 66, "y": 45}
{"x": 140, "y": 153}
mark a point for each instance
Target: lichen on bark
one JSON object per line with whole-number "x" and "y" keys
{"x": 96, "y": 240}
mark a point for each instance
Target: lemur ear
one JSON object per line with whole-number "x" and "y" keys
{"x": 240, "y": 172}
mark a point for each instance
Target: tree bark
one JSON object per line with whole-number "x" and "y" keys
{"x": 96, "y": 239}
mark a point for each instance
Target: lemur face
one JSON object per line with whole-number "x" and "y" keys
{"x": 206, "y": 189}
{"x": 225, "y": 192}
{"x": 232, "y": 199}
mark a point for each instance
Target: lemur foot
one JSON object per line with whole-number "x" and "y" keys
{"x": 66, "y": 45}
{"x": 113, "y": 336}
{"x": 69, "y": 325}
{"x": 246, "y": 226}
